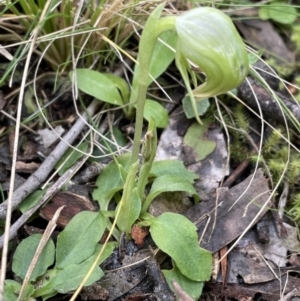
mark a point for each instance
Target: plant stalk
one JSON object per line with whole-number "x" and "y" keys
{"x": 153, "y": 28}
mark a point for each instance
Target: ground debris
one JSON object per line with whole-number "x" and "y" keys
{"x": 270, "y": 291}
{"x": 263, "y": 35}
{"x": 269, "y": 106}
{"x": 212, "y": 168}
{"x": 236, "y": 209}
{"x": 73, "y": 203}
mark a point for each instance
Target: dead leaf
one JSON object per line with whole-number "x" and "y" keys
{"x": 26, "y": 167}
{"x": 225, "y": 225}
{"x": 263, "y": 35}
{"x": 73, "y": 203}
{"x": 223, "y": 252}
{"x": 138, "y": 234}
{"x": 270, "y": 291}
{"x": 127, "y": 277}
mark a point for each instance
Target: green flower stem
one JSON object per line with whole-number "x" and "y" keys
{"x": 138, "y": 123}
{"x": 152, "y": 29}
{"x": 148, "y": 153}
{"x": 146, "y": 205}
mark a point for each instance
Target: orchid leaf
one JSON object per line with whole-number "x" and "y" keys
{"x": 121, "y": 84}
{"x": 154, "y": 110}
{"x": 163, "y": 54}
{"x": 70, "y": 277}
{"x": 108, "y": 249}
{"x": 169, "y": 183}
{"x": 79, "y": 239}
{"x": 175, "y": 235}
{"x": 25, "y": 252}
{"x": 191, "y": 287}
{"x": 110, "y": 181}
{"x": 45, "y": 288}
{"x": 172, "y": 167}
{"x": 12, "y": 289}
{"x": 161, "y": 58}
{"x": 130, "y": 212}
{"x": 280, "y": 12}
{"x": 130, "y": 204}
{"x": 97, "y": 85}
{"x": 197, "y": 145}
{"x": 202, "y": 106}
{"x": 31, "y": 200}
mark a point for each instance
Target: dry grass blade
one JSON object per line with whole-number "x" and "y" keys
{"x": 180, "y": 293}
{"x": 15, "y": 152}
{"x": 48, "y": 231}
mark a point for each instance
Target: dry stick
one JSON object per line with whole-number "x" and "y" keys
{"x": 271, "y": 109}
{"x": 50, "y": 192}
{"x": 38, "y": 177}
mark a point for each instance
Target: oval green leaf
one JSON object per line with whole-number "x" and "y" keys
{"x": 110, "y": 181}
{"x": 12, "y": 289}
{"x": 71, "y": 276}
{"x": 197, "y": 145}
{"x": 175, "y": 235}
{"x": 97, "y": 85}
{"x": 172, "y": 167}
{"x": 282, "y": 12}
{"x": 31, "y": 200}
{"x": 154, "y": 110}
{"x": 130, "y": 204}
{"x": 163, "y": 54}
{"x": 192, "y": 288}
{"x": 25, "y": 252}
{"x": 161, "y": 58}
{"x": 45, "y": 289}
{"x": 121, "y": 84}
{"x": 130, "y": 212}
{"x": 202, "y": 106}
{"x": 169, "y": 183}
{"x": 79, "y": 239}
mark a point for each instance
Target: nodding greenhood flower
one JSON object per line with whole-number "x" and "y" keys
{"x": 208, "y": 38}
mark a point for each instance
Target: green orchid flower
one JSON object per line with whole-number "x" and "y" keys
{"x": 208, "y": 38}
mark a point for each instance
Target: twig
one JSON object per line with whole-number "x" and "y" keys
{"x": 283, "y": 199}
{"x": 289, "y": 295}
{"x": 50, "y": 192}
{"x": 38, "y": 177}
{"x": 271, "y": 109}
